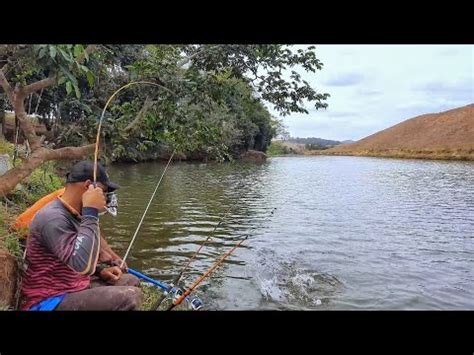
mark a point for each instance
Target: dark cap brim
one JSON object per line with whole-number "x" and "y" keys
{"x": 111, "y": 186}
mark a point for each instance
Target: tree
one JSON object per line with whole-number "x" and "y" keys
{"x": 211, "y": 102}
{"x": 262, "y": 66}
{"x": 226, "y": 81}
{"x": 57, "y": 65}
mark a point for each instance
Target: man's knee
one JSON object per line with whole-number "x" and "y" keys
{"x": 131, "y": 298}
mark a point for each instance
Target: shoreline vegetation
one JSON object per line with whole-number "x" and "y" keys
{"x": 462, "y": 154}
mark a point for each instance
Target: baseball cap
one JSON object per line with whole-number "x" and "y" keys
{"x": 84, "y": 170}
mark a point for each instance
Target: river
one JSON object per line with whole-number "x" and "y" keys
{"x": 345, "y": 232}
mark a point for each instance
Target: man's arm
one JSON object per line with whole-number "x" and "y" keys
{"x": 79, "y": 250}
{"x": 107, "y": 255}
{"x": 105, "y": 248}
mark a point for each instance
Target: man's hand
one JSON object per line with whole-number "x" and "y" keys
{"x": 118, "y": 262}
{"x": 94, "y": 197}
{"x": 111, "y": 274}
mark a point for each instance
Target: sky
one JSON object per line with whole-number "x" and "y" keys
{"x": 374, "y": 87}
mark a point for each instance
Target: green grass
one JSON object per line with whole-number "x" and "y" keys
{"x": 9, "y": 240}
{"x": 279, "y": 148}
{"x": 41, "y": 182}
{"x": 151, "y": 295}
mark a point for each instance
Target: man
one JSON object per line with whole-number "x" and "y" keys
{"x": 63, "y": 249}
{"x": 23, "y": 221}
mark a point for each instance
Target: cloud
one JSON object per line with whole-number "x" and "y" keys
{"x": 459, "y": 90}
{"x": 371, "y": 92}
{"x": 417, "y": 109}
{"x": 347, "y": 79}
{"x": 376, "y": 87}
{"x": 449, "y": 52}
{"x": 340, "y": 114}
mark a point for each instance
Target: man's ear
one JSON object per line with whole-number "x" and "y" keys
{"x": 87, "y": 183}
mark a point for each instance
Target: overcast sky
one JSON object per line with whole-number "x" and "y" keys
{"x": 373, "y": 87}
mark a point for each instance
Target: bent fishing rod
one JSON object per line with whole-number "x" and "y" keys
{"x": 96, "y": 153}
{"x": 97, "y": 140}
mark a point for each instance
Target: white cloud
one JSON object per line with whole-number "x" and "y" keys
{"x": 373, "y": 87}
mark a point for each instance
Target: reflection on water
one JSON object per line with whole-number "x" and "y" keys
{"x": 347, "y": 232}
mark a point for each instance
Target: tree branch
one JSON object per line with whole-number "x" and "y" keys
{"x": 41, "y": 84}
{"x": 186, "y": 60}
{"x": 71, "y": 152}
{"x": 12, "y": 177}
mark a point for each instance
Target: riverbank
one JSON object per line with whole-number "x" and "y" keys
{"x": 458, "y": 154}
{"x": 43, "y": 181}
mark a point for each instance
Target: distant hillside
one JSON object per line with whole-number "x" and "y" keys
{"x": 313, "y": 140}
{"x": 444, "y": 135}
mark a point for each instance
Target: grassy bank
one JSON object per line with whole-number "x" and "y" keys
{"x": 40, "y": 183}
{"x": 279, "y": 148}
{"x": 459, "y": 154}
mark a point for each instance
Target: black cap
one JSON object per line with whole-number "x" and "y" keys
{"x": 84, "y": 170}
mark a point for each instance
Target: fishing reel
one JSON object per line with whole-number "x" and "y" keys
{"x": 111, "y": 205}
{"x": 192, "y": 302}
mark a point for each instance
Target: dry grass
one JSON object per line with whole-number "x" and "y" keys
{"x": 8, "y": 279}
{"x": 445, "y": 135}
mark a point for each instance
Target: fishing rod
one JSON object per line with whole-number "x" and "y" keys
{"x": 146, "y": 210}
{"x": 178, "y": 277}
{"x": 178, "y": 301}
{"x": 96, "y": 152}
{"x": 194, "y": 303}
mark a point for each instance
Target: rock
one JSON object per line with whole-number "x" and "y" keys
{"x": 4, "y": 164}
{"x": 253, "y": 156}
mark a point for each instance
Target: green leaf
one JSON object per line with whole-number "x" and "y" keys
{"x": 65, "y": 55}
{"x": 68, "y": 87}
{"x": 52, "y": 51}
{"x": 90, "y": 78}
{"x": 71, "y": 77}
{"x": 77, "y": 50}
{"x": 76, "y": 89}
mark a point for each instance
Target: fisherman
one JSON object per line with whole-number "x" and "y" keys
{"x": 64, "y": 248}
